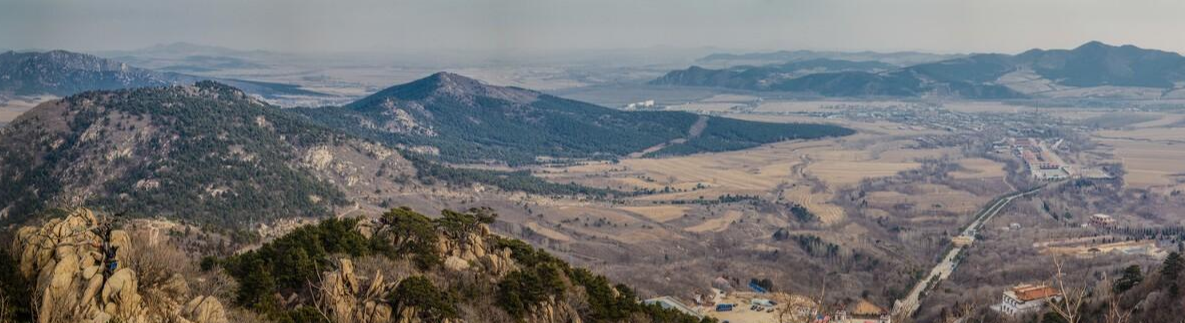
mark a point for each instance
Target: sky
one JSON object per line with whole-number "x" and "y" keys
{"x": 947, "y": 26}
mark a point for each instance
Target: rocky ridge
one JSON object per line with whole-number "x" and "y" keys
{"x": 77, "y": 262}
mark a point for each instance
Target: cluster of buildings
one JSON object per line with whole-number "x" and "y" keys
{"x": 1043, "y": 163}
{"x": 648, "y": 104}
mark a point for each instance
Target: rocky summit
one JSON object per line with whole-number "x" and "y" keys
{"x": 79, "y": 267}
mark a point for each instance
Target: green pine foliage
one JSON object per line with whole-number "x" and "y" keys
{"x": 287, "y": 266}
{"x": 1170, "y": 272}
{"x": 288, "y": 263}
{"x": 430, "y": 303}
{"x": 409, "y": 233}
{"x": 725, "y": 134}
{"x": 522, "y": 289}
{"x": 1132, "y": 276}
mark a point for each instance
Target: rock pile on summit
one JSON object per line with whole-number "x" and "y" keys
{"x": 78, "y": 265}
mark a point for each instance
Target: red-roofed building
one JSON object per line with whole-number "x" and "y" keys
{"x": 1026, "y": 298}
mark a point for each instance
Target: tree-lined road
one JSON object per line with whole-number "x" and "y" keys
{"x": 907, "y": 306}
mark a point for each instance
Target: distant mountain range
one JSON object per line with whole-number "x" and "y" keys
{"x": 212, "y": 153}
{"x": 63, "y": 73}
{"x": 762, "y": 77}
{"x": 464, "y": 120}
{"x": 893, "y": 58}
{"x": 985, "y": 76}
{"x": 192, "y": 58}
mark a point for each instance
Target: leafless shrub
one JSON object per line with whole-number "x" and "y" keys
{"x": 156, "y": 263}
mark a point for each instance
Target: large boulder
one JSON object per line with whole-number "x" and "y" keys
{"x": 348, "y": 301}
{"x": 204, "y": 309}
{"x": 120, "y": 296}
{"x": 553, "y": 311}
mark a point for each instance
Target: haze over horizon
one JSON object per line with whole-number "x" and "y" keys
{"x": 523, "y": 26}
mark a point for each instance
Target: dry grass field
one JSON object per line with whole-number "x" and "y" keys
{"x": 809, "y": 173}
{"x": 717, "y": 224}
{"x": 1148, "y": 164}
{"x": 730, "y": 98}
{"x": 12, "y": 108}
{"x": 658, "y": 213}
{"x": 930, "y": 197}
{"x": 1151, "y": 151}
{"x": 816, "y": 202}
{"x": 547, "y": 232}
{"x": 979, "y": 168}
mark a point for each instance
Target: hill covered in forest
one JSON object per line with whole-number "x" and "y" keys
{"x": 462, "y": 120}
{"x": 206, "y": 150}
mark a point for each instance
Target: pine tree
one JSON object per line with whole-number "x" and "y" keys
{"x": 1132, "y": 276}
{"x": 1170, "y": 271}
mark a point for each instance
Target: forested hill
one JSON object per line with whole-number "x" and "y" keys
{"x": 761, "y": 77}
{"x": 206, "y": 152}
{"x": 463, "y": 120}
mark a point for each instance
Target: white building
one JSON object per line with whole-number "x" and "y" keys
{"x": 1026, "y": 298}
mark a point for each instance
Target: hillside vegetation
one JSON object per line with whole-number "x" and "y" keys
{"x": 401, "y": 267}
{"x": 206, "y": 152}
{"x": 448, "y": 269}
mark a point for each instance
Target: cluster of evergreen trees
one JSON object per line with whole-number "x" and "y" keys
{"x": 725, "y": 134}
{"x": 286, "y": 265}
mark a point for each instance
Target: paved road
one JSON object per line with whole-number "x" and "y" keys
{"x": 907, "y": 306}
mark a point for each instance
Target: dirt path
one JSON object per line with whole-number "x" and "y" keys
{"x": 696, "y": 129}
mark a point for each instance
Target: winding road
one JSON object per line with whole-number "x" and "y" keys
{"x": 907, "y": 306}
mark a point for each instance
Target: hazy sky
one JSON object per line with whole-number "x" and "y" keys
{"x": 533, "y": 25}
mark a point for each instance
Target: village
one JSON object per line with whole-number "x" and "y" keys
{"x": 755, "y": 304}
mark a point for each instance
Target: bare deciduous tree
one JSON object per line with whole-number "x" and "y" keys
{"x": 1072, "y": 298}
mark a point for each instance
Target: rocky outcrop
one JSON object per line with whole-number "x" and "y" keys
{"x": 553, "y": 311}
{"x": 472, "y": 252}
{"x": 78, "y": 264}
{"x": 350, "y": 302}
